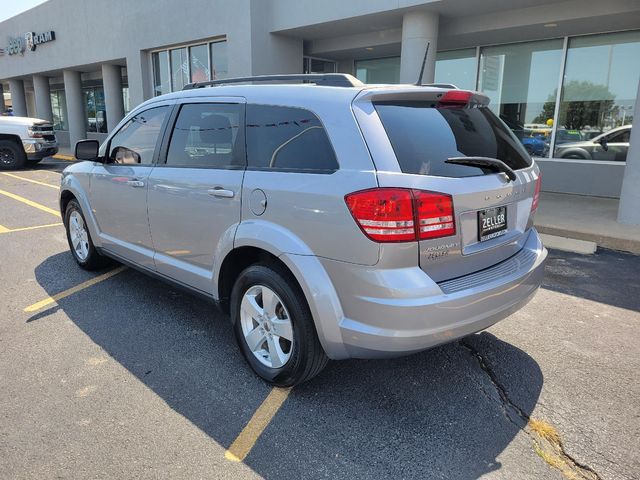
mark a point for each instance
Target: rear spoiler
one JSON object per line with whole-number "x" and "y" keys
{"x": 439, "y": 96}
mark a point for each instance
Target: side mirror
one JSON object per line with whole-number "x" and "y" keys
{"x": 603, "y": 143}
{"x": 87, "y": 150}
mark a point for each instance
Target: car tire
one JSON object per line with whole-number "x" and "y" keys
{"x": 79, "y": 238}
{"x": 12, "y": 156}
{"x": 293, "y": 361}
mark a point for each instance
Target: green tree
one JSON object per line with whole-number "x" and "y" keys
{"x": 583, "y": 103}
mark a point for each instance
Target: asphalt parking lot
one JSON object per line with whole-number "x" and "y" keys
{"x": 112, "y": 374}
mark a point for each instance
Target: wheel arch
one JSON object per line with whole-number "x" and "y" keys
{"x": 309, "y": 274}
{"x": 14, "y": 138}
{"x": 576, "y": 153}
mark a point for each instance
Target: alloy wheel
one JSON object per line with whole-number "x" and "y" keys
{"x": 79, "y": 235}
{"x": 7, "y": 156}
{"x": 266, "y": 326}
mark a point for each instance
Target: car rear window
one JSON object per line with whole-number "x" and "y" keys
{"x": 423, "y": 137}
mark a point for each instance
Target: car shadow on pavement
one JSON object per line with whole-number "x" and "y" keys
{"x": 608, "y": 276}
{"x": 437, "y": 414}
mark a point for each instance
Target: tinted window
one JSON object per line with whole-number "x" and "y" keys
{"x": 282, "y": 138}
{"x": 207, "y": 135}
{"x": 136, "y": 141}
{"x": 620, "y": 137}
{"x": 424, "y": 137}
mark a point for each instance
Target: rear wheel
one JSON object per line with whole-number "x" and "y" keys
{"x": 79, "y": 239}
{"x": 12, "y": 155}
{"x": 274, "y": 327}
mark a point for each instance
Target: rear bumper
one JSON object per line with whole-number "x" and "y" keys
{"x": 396, "y": 312}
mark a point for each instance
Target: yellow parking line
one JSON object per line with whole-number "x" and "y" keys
{"x": 242, "y": 445}
{"x": 62, "y": 156}
{"x": 23, "y": 229}
{"x": 32, "y": 181}
{"x": 33, "y": 204}
{"x": 59, "y": 296}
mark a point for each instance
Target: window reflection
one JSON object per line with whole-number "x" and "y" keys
{"x": 457, "y": 67}
{"x": 379, "y": 70}
{"x": 521, "y": 81}
{"x": 598, "y": 95}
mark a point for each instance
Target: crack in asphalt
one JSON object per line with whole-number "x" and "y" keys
{"x": 547, "y": 442}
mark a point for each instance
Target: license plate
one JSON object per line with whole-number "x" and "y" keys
{"x": 492, "y": 223}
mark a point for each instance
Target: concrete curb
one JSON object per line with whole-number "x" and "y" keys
{"x": 631, "y": 245}
{"x": 61, "y": 156}
{"x": 568, "y": 244}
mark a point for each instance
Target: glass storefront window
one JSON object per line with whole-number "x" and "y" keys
{"x": 59, "y": 110}
{"x": 126, "y": 101}
{"x": 173, "y": 69}
{"x": 161, "y": 80}
{"x": 318, "y": 65}
{"x": 457, "y": 67}
{"x": 219, "y": 60}
{"x": 199, "y": 61}
{"x": 95, "y": 110}
{"x": 521, "y": 80}
{"x": 379, "y": 70}
{"x": 179, "y": 69}
{"x": 598, "y": 95}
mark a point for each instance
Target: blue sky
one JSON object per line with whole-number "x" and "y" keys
{"x": 14, "y": 7}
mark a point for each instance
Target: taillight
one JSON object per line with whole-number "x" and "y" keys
{"x": 384, "y": 214}
{"x": 434, "y": 212}
{"x": 536, "y": 194}
{"x": 402, "y": 215}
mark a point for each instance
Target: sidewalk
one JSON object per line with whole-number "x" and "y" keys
{"x": 586, "y": 218}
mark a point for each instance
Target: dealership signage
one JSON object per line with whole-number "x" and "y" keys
{"x": 29, "y": 41}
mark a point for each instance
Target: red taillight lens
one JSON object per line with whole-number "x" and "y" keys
{"x": 434, "y": 212}
{"x": 402, "y": 215}
{"x": 384, "y": 214}
{"x": 536, "y": 194}
{"x": 456, "y": 97}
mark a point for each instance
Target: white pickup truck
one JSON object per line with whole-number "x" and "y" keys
{"x": 25, "y": 141}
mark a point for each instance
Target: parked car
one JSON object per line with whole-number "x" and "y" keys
{"x": 331, "y": 220}
{"x": 565, "y": 136}
{"x": 535, "y": 146}
{"x": 612, "y": 145}
{"x": 25, "y": 141}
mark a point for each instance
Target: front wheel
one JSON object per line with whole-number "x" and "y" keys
{"x": 274, "y": 327}
{"x": 12, "y": 156}
{"x": 79, "y": 238}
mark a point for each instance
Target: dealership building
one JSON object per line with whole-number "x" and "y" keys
{"x": 563, "y": 75}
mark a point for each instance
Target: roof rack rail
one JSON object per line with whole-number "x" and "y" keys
{"x": 324, "y": 79}
{"x": 440, "y": 85}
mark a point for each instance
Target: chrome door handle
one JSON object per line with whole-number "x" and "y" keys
{"x": 135, "y": 183}
{"x": 220, "y": 192}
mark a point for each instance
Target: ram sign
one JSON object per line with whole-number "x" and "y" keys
{"x": 29, "y": 41}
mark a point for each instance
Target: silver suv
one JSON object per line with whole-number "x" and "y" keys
{"x": 331, "y": 219}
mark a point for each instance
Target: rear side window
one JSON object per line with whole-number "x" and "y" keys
{"x": 207, "y": 135}
{"x": 423, "y": 137}
{"x": 283, "y": 138}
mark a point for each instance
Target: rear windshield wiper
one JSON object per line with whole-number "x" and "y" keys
{"x": 485, "y": 162}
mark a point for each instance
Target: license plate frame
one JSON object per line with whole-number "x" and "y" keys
{"x": 492, "y": 223}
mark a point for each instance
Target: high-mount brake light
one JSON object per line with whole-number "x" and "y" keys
{"x": 401, "y": 214}
{"x": 456, "y": 97}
